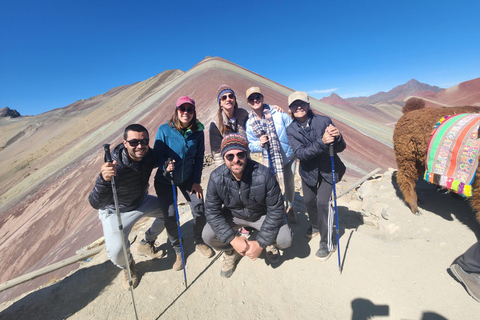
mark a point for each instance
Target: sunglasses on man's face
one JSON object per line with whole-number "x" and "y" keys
{"x": 225, "y": 96}
{"x": 241, "y": 155}
{"x": 254, "y": 97}
{"x": 184, "y": 109}
{"x": 135, "y": 142}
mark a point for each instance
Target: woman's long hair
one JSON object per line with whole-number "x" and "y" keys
{"x": 221, "y": 127}
{"x": 177, "y": 124}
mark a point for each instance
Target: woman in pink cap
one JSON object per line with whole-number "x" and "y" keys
{"x": 179, "y": 150}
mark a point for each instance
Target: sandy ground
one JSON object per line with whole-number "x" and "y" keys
{"x": 393, "y": 267}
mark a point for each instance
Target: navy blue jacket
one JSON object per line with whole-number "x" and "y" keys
{"x": 307, "y": 145}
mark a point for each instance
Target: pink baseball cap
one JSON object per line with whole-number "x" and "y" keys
{"x": 185, "y": 99}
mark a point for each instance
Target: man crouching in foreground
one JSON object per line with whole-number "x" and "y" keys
{"x": 132, "y": 165}
{"x": 244, "y": 194}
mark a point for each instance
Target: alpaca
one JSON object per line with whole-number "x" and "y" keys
{"x": 410, "y": 141}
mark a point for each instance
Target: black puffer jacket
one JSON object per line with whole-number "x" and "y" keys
{"x": 131, "y": 182}
{"x": 258, "y": 194}
{"x": 307, "y": 145}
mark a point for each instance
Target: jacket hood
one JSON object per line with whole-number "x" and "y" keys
{"x": 201, "y": 127}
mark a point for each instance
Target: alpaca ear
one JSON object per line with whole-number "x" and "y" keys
{"x": 413, "y": 104}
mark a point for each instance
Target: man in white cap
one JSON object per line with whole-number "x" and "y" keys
{"x": 309, "y": 136}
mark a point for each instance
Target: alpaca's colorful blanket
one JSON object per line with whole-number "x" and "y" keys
{"x": 452, "y": 155}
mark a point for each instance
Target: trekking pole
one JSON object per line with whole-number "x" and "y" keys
{"x": 178, "y": 221}
{"x": 332, "y": 154}
{"x": 267, "y": 147}
{"x": 108, "y": 158}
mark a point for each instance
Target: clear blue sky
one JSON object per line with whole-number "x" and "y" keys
{"x": 53, "y": 53}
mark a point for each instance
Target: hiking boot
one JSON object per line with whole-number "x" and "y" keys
{"x": 133, "y": 275}
{"x": 271, "y": 254}
{"x": 205, "y": 250}
{"x": 323, "y": 254}
{"x": 291, "y": 216}
{"x": 178, "y": 264}
{"x": 311, "y": 233}
{"x": 148, "y": 249}
{"x": 230, "y": 260}
{"x": 470, "y": 280}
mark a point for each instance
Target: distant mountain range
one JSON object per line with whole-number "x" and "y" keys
{"x": 399, "y": 93}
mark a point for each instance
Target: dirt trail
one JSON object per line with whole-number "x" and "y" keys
{"x": 394, "y": 267}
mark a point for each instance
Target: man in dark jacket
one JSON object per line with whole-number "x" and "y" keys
{"x": 309, "y": 136}
{"x": 132, "y": 165}
{"x": 244, "y": 194}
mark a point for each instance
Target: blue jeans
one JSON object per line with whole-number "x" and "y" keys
{"x": 113, "y": 241}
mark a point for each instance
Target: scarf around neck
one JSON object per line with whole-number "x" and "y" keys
{"x": 273, "y": 154}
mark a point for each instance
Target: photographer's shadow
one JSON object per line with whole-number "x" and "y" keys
{"x": 363, "y": 309}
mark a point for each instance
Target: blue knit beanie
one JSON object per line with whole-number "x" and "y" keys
{"x": 222, "y": 90}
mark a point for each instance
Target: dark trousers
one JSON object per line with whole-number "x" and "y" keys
{"x": 167, "y": 207}
{"x": 470, "y": 260}
{"x": 316, "y": 202}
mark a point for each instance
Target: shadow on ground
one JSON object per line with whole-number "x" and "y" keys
{"x": 302, "y": 246}
{"x": 59, "y": 301}
{"x": 444, "y": 204}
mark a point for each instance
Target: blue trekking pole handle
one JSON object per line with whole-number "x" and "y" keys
{"x": 332, "y": 155}
{"x": 177, "y": 216}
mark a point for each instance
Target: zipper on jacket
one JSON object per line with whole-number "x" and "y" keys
{"x": 184, "y": 156}
{"x": 245, "y": 211}
{"x": 184, "y": 152}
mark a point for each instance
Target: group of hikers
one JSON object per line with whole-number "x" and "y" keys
{"x": 248, "y": 206}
